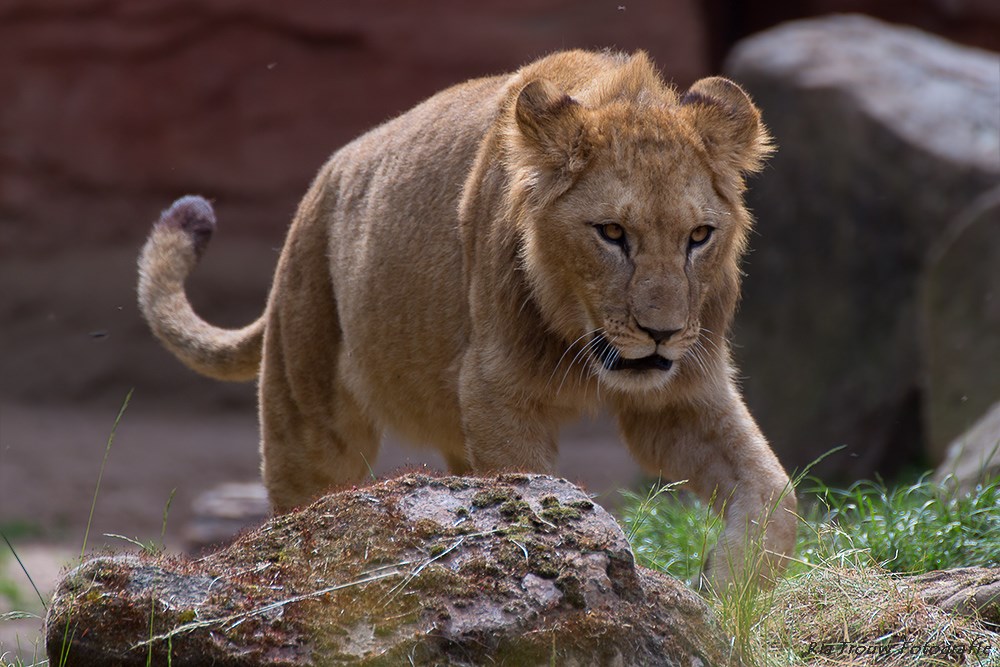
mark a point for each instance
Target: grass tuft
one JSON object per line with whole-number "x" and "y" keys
{"x": 861, "y": 615}
{"x": 843, "y": 601}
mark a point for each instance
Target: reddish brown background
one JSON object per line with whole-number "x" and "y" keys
{"x": 112, "y": 108}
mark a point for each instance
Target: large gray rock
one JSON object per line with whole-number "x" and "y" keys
{"x": 517, "y": 570}
{"x": 974, "y": 457}
{"x": 884, "y": 135}
{"x": 961, "y": 324}
{"x": 966, "y": 591}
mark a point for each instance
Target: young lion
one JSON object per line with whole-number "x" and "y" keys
{"x": 511, "y": 252}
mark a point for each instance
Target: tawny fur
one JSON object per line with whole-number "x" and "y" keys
{"x": 446, "y": 277}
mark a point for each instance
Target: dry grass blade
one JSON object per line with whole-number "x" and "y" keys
{"x": 234, "y": 620}
{"x": 864, "y": 616}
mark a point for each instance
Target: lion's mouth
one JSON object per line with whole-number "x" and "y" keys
{"x": 612, "y": 360}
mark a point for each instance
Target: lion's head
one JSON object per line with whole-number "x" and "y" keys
{"x": 628, "y": 202}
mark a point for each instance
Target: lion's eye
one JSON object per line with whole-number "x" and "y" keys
{"x": 700, "y": 235}
{"x": 612, "y": 232}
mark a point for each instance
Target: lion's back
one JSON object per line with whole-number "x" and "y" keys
{"x": 395, "y": 255}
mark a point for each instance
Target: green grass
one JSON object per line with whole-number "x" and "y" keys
{"x": 909, "y": 529}
{"x": 669, "y": 531}
{"x": 853, "y": 545}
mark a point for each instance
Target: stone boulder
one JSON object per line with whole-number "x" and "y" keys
{"x": 961, "y": 324}
{"x": 885, "y": 134}
{"x": 517, "y": 570}
{"x": 972, "y": 22}
{"x": 966, "y": 591}
{"x": 222, "y": 512}
{"x": 974, "y": 457}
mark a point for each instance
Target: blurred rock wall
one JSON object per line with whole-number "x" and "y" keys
{"x": 111, "y": 109}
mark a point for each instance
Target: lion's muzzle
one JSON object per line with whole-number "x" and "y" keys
{"x": 612, "y": 360}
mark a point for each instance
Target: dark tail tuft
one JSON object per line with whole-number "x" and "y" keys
{"x": 195, "y": 216}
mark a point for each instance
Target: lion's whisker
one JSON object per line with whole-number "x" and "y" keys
{"x": 523, "y": 304}
{"x": 592, "y": 343}
{"x": 566, "y": 351}
{"x": 712, "y": 338}
{"x": 595, "y": 368}
{"x": 701, "y": 354}
{"x": 591, "y": 362}
{"x": 696, "y": 353}
{"x": 615, "y": 355}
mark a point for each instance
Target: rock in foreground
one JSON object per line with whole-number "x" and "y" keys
{"x": 518, "y": 570}
{"x": 967, "y": 591}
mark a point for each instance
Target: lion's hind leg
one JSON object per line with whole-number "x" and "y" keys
{"x": 314, "y": 434}
{"x": 309, "y": 448}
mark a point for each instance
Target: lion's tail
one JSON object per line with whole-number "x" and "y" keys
{"x": 174, "y": 246}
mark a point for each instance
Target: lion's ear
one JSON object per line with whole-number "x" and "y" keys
{"x": 728, "y": 123}
{"x": 550, "y": 124}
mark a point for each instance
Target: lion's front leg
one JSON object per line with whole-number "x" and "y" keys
{"x": 505, "y": 430}
{"x": 716, "y": 445}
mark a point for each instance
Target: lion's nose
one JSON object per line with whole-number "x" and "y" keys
{"x": 659, "y": 335}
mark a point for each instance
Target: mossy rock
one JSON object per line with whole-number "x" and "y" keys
{"x": 392, "y": 573}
